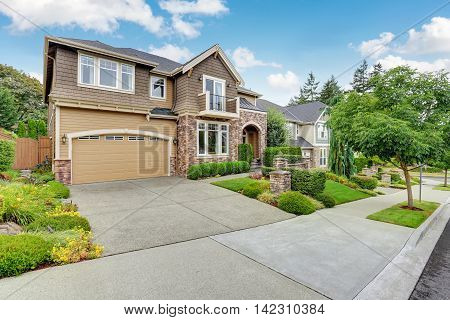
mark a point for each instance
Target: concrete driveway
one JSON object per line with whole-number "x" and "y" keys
{"x": 141, "y": 214}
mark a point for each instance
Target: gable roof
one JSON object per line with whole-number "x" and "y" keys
{"x": 306, "y": 113}
{"x": 245, "y": 104}
{"x": 248, "y": 91}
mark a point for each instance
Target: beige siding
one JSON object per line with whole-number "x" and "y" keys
{"x": 66, "y": 85}
{"x": 75, "y": 120}
{"x": 188, "y": 88}
{"x": 250, "y": 98}
{"x": 307, "y": 132}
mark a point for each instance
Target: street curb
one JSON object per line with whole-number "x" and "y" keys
{"x": 399, "y": 277}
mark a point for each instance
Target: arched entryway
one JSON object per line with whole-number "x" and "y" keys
{"x": 251, "y": 135}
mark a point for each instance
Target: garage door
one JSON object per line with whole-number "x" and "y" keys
{"x": 118, "y": 157}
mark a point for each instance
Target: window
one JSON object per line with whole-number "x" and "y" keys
{"x": 153, "y": 138}
{"x": 322, "y": 130}
{"x": 216, "y": 89}
{"x": 157, "y": 87}
{"x": 89, "y": 138}
{"x": 212, "y": 138}
{"x": 114, "y": 138}
{"x": 136, "y": 138}
{"x": 127, "y": 77}
{"x": 104, "y": 73}
{"x": 323, "y": 157}
{"x": 86, "y": 69}
{"x": 108, "y": 73}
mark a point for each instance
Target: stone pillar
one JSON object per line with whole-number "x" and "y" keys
{"x": 280, "y": 163}
{"x": 386, "y": 178}
{"x": 280, "y": 181}
{"x": 63, "y": 171}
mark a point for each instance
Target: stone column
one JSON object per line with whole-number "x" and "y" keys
{"x": 280, "y": 181}
{"x": 386, "y": 178}
{"x": 280, "y": 163}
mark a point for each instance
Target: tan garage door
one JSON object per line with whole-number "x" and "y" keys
{"x": 118, "y": 157}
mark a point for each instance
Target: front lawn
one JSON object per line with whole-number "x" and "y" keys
{"x": 342, "y": 194}
{"x": 236, "y": 185}
{"x": 442, "y": 188}
{"x": 404, "y": 217}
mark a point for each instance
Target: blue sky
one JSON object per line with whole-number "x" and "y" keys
{"x": 274, "y": 44}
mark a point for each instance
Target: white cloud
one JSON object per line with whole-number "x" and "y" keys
{"x": 244, "y": 58}
{"x": 376, "y": 47}
{"x": 36, "y": 75}
{"x": 98, "y": 15}
{"x": 185, "y": 28}
{"x": 432, "y": 38}
{"x": 391, "y": 61}
{"x": 200, "y": 7}
{"x": 172, "y": 52}
{"x": 288, "y": 82}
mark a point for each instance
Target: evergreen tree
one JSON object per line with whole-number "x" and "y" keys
{"x": 277, "y": 131}
{"x": 8, "y": 109}
{"x": 300, "y": 99}
{"x": 360, "y": 81}
{"x": 330, "y": 92}
{"x": 341, "y": 160}
{"x": 309, "y": 90}
{"x": 41, "y": 128}
{"x": 377, "y": 69}
{"x": 32, "y": 129}
{"x": 22, "y": 130}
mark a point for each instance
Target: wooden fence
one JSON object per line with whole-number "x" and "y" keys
{"x": 30, "y": 152}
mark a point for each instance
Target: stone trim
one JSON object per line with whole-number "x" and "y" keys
{"x": 63, "y": 171}
{"x": 280, "y": 181}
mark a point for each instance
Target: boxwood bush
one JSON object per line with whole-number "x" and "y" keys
{"x": 310, "y": 182}
{"x": 267, "y": 170}
{"x": 364, "y": 182}
{"x": 59, "y": 223}
{"x": 253, "y": 190}
{"x": 211, "y": 169}
{"x": 7, "y": 154}
{"x": 194, "y": 172}
{"x": 221, "y": 168}
{"x": 22, "y": 252}
{"x": 271, "y": 152}
{"x": 296, "y": 203}
{"x": 245, "y": 152}
{"x": 327, "y": 200}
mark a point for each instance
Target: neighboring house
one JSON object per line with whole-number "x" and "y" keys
{"x": 307, "y": 129}
{"x": 120, "y": 113}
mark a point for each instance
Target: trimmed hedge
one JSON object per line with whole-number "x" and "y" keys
{"x": 271, "y": 152}
{"x": 212, "y": 169}
{"x": 310, "y": 182}
{"x": 365, "y": 182}
{"x": 7, "y": 154}
{"x": 59, "y": 223}
{"x": 296, "y": 203}
{"x": 245, "y": 152}
{"x": 267, "y": 170}
{"x": 327, "y": 200}
{"x": 21, "y": 253}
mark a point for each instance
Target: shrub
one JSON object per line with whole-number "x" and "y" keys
{"x": 58, "y": 189}
{"x": 350, "y": 184}
{"x": 267, "y": 197}
{"x": 229, "y": 166}
{"x": 296, "y": 203}
{"x": 253, "y": 190}
{"x": 369, "y": 192}
{"x": 70, "y": 209}
{"x": 205, "y": 170}
{"x": 332, "y": 176}
{"x": 7, "y": 154}
{"x": 397, "y": 186}
{"x": 59, "y": 223}
{"x": 42, "y": 178}
{"x": 395, "y": 177}
{"x": 292, "y": 158}
{"x": 21, "y": 253}
{"x": 245, "y": 166}
{"x": 77, "y": 249}
{"x": 271, "y": 152}
{"x": 267, "y": 170}
{"x": 194, "y": 172}
{"x": 365, "y": 182}
{"x": 221, "y": 168}
{"x": 316, "y": 203}
{"x": 245, "y": 152}
{"x": 310, "y": 182}
{"x": 214, "y": 169}
{"x": 360, "y": 163}
{"x": 327, "y": 200}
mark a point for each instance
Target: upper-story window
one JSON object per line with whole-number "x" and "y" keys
{"x": 157, "y": 87}
{"x": 322, "y": 131}
{"x": 216, "y": 89}
{"x": 104, "y": 73}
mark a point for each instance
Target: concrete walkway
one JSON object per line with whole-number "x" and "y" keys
{"x": 336, "y": 252}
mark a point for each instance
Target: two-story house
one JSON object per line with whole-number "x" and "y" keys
{"x": 307, "y": 129}
{"x": 120, "y": 113}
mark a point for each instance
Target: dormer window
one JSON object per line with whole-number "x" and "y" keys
{"x": 157, "y": 87}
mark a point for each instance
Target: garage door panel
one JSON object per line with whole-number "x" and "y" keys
{"x": 101, "y": 160}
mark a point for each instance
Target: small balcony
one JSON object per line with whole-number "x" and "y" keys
{"x": 216, "y": 106}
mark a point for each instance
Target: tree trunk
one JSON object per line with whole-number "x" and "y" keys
{"x": 408, "y": 186}
{"x": 445, "y": 178}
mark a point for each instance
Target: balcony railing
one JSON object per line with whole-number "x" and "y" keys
{"x": 218, "y": 106}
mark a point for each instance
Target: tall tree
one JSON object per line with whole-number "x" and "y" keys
{"x": 341, "y": 160}
{"x": 32, "y": 129}
{"x": 277, "y": 132}
{"x": 401, "y": 121}
{"x": 300, "y": 99}
{"x": 331, "y": 92}
{"x": 310, "y": 88}
{"x": 360, "y": 81}
{"x": 27, "y": 92}
{"x": 8, "y": 109}
{"x": 377, "y": 70}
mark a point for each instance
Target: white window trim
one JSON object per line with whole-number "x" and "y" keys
{"x": 96, "y": 84}
{"x": 136, "y": 138}
{"x": 91, "y": 137}
{"x": 325, "y": 157}
{"x": 206, "y": 155}
{"x": 114, "y": 138}
{"x": 165, "y": 87}
{"x": 205, "y": 76}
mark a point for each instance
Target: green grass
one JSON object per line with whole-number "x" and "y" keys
{"x": 405, "y": 217}
{"x": 442, "y": 188}
{"x": 236, "y": 184}
{"x": 342, "y": 194}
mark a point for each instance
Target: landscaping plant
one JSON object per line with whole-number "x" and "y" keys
{"x": 59, "y": 222}
{"x": 364, "y": 182}
{"x": 253, "y": 190}
{"x": 212, "y": 169}
{"x": 7, "y": 154}
{"x": 295, "y": 202}
{"x": 277, "y": 132}
{"x": 245, "y": 152}
{"x": 327, "y": 200}
{"x": 77, "y": 249}
{"x": 310, "y": 182}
